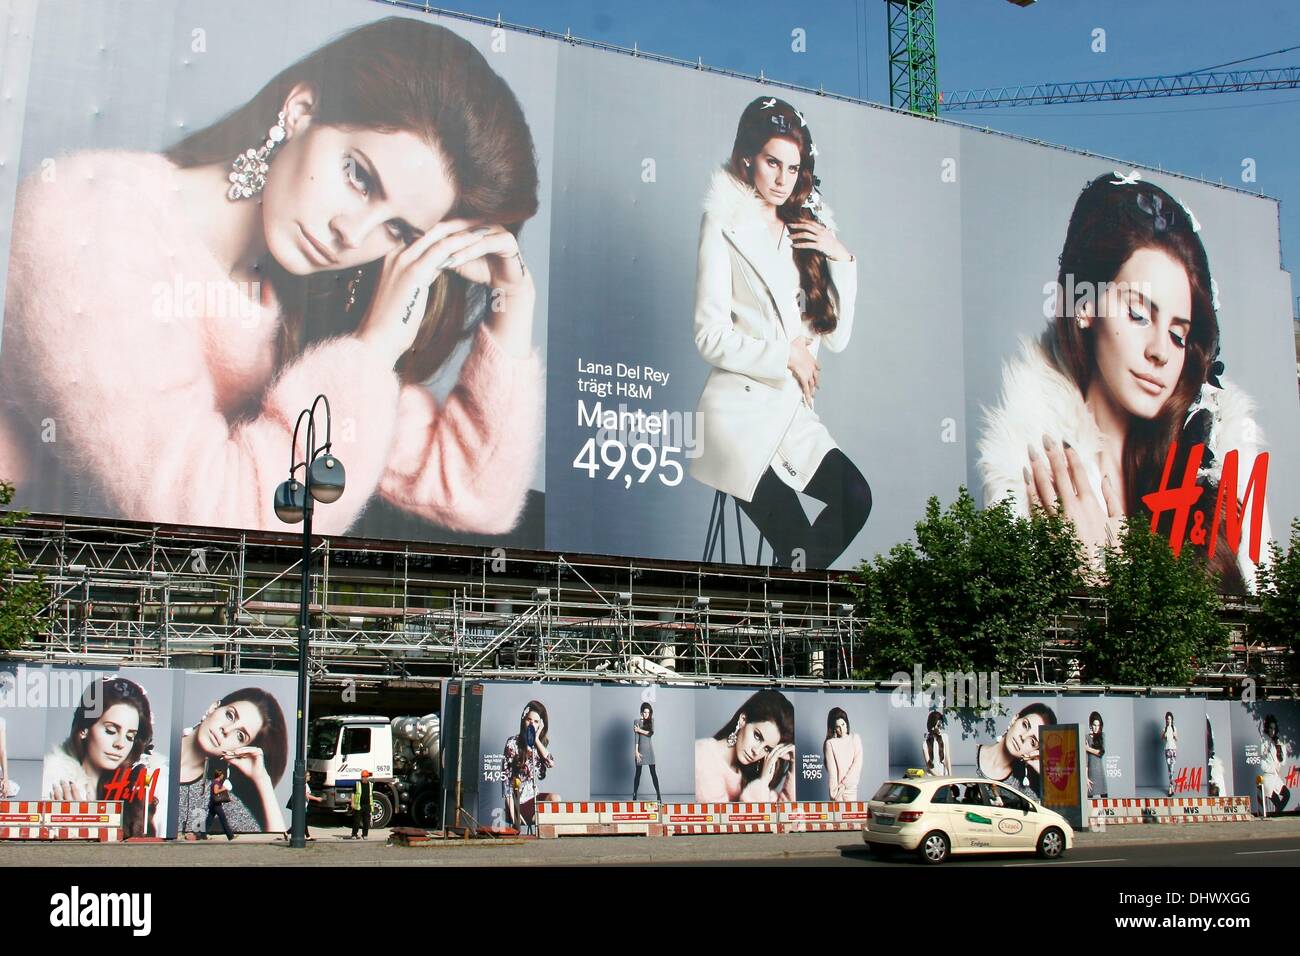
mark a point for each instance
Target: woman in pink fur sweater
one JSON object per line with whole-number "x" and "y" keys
{"x": 169, "y": 315}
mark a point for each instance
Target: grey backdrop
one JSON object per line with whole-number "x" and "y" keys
{"x": 568, "y": 708}
{"x": 1117, "y": 730}
{"x": 613, "y": 709}
{"x": 1247, "y": 730}
{"x": 1151, "y": 775}
{"x": 868, "y": 718}
{"x": 625, "y": 269}
{"x": 25, "y": 738}
{"x": 196, "y": 692}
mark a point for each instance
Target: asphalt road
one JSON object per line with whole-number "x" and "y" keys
{"x": 1254, "y": 843}
{"x": 1253, "y": 853}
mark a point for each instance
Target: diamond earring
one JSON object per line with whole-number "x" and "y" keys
{"x": 1082, "y": 323}
{"x": 248, "y": 171}
{"x": 731, "y": 737}
{"x": 352, "y": 290}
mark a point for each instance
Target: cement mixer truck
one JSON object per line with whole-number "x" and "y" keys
{"x": 403, "y": 755}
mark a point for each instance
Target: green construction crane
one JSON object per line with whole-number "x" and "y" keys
{"x": 913, "y": 58}
{"x": 913, "y": 61}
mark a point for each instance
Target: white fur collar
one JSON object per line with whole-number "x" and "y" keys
{"x": 1037, "y": 400}
{"x": 737, "y": 204}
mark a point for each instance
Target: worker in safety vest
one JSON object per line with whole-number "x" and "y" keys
{"x": 362, "y": 806}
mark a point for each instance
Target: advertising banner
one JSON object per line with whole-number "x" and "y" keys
{"x": 717, "y": 745}
{"x": 1265, "y": 738}
{"x": 152, "y": 739}
{"x": 567, "y": 300}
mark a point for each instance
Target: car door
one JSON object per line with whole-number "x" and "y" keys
{"x": 1013, "y": 823}
{"x": 977, "y": 826}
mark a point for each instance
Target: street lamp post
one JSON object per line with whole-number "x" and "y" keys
{"x": 323, "y": 481}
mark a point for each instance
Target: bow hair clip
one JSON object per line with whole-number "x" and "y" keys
{"x": 1153, "y": 206}
{"x": 768, "y": 104}
{"x": 1131, "y": 179}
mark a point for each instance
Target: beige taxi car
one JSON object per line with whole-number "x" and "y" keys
{"x": 938, "y": 817}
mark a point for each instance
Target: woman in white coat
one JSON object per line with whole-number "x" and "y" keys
{"x": 774, "y": 284}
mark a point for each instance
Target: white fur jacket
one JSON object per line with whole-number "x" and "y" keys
{"x": 1038, "y": 399}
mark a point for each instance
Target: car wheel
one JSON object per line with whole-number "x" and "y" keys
{"x": 1051, "y": 844}
{"x": 934, "y": 847}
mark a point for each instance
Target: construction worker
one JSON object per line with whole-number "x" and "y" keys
{"x": 362, "y": 806}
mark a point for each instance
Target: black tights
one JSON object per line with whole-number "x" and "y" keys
{"x": 636, "y": 783}
{"x": 776, "y": 512}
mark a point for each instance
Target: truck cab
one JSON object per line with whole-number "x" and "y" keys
{"x": 339, "y": 749}
{"x": 402, "y": 754}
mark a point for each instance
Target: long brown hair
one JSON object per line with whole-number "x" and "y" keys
{"x": 1112, "y": 220}
{"x": 758, "y": 124}
{"x": 397, "y": 74}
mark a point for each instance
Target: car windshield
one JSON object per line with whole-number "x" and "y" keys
{"x": 896, "y": 793}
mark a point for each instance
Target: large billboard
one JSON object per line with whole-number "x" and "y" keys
{"x": 574, "y": 742}
{"x": 154, "y": 739}
{"x": 569, "y": 300}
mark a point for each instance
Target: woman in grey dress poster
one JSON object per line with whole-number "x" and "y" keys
{"x": 643, "y": 752}
{"x": 1095, "y": 745}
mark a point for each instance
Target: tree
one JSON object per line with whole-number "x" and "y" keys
{"x": 20, "y": 602}
{"x": 1278, "y": 586}
{"x": 1162, "y": 614}
{"x": 975, "y": 593}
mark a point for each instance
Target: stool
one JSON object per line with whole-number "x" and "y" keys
{"x": 716, "y": 537}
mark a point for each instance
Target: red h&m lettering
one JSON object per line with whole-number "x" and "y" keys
{"x": 1181, "y": 499}
{"x": 1188, "y": 781}
{"x": 1178, "y": 500}
{"x": 121, "y": 787}
{"x": 1232, "y": 518}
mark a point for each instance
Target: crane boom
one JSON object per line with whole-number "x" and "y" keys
{"x": 1133, "y": 88}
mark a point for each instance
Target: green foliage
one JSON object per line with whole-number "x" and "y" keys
{"x": 974, "y": 593}
{"x": 1162, "y": 614}
{"x": 1278, "y": 586}
{"x": 19, "y": 603}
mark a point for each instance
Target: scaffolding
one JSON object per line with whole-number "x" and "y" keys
{"x": 387, "y": 613}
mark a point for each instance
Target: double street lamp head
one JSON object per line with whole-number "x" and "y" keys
{"x": 325, "y": 474}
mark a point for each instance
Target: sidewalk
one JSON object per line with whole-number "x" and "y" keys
{"x": 331, "y": 848}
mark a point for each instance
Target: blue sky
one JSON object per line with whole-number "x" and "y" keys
{"x": 994, "y": 43}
